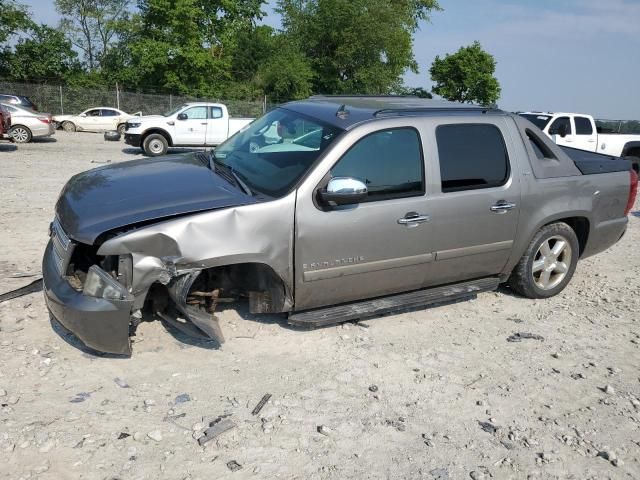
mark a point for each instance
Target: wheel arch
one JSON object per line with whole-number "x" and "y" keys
{"x": 157, "y": 130}
{"x": 580, "y": 225}
{"x": 631, "y": 149}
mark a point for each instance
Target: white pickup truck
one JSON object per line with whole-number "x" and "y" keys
{"x": 190, "y": 125}
{"x": 580, "y": 131}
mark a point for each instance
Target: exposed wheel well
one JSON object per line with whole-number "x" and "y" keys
{"x": 156, "y": 130}
{"x": 580, "y": 226}
{"x": 256, "y": 281}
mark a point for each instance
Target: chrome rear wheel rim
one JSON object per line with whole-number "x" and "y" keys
{"x": 20, "y": 134}
{"x": 551, "y": 263}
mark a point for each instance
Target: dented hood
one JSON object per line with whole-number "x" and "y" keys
{"x": 121, "y": 194}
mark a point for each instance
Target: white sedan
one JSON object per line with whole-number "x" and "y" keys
{"x": 97, "y": 119}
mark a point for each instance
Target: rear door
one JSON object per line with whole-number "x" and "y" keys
{"x": 476, "y": 201}
{"x": 109, "y": 118}
{"x": 193, "y": 129}
{"x": 217, "y": 126}
{"x": 586, "y": 135}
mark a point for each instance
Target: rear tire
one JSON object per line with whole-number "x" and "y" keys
{"x": 68, "y": 126}
{"x": 20, "y": 134}
{"x": 548, "y": 264}
{"x": 155, "y": 145}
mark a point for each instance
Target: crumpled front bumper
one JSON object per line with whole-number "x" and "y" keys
{"x": 100, "y": 324}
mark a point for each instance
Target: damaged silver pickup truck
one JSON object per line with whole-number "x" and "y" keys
{"x": 329, "y": 210}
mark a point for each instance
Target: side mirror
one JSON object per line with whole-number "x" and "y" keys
{"x": 182, "y": 116}
{"x": 83, "y": 114}
{"x": 343, "y": 191}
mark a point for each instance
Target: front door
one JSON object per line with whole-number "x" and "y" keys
{"x": 191, "y": 130}
{"x": 90, "y": 120}
{"x": 377, "y": 247}
{"x": 561, "y": 132}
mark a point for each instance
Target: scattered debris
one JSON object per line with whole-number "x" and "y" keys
{"x": 324, "y": 430}
{"x": 608, "y": 389}
{"x": 234, "y": 466}
{"x": 24, "y": 275}
{"x": 440, "y": 474}
{"x": 80, "y": 397}
{"x": 155, "y": 435}
{"x": 488, "y": 427}
{"x": 610, "y": 456}
{"x": 265, "y": 398}
{"x": 515, "y": 319}
{"x": 121, "y": 383}
{"x": 123, "y": 435}
{"x": 519, "y": 336}
{"x": 171, "y": 418}
{"x": 33, "y": 287}
{"x": 216, "y": 428}
{"x": 373, "y": 388}
{"x": 182, "y": 398}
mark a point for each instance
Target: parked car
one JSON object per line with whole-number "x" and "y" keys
{"x": 189, "y": 125}
{"x": 5, "y": 123}
{"x": 18, "y": 100}
{"x": 365, "y": 206}
{"x": 27, "y": 123}
{"x": 99, "y": 119}
{"x": 578, "y": 130}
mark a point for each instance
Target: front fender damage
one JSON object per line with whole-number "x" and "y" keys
{"x": 204, "y": 321}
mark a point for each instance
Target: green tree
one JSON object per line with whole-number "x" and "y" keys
{"x": 355, "y": 46}
{"x": 44, "y": 55}
{"x": 466, "y": 76}
{"x": 286, "y": 75}
{"x": 14, "y": 18}
{"x": 187, "y": 45}
{"x": 92, "y": 26}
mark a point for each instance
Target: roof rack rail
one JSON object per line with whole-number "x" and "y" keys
{"x": 418, "y": 110}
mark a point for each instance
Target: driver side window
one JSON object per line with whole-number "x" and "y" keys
{"x": 558, "y": 123}
{"x": 388, "y": 162}
{"x": 196, "y": 113}
{"x": 93, "y": 113}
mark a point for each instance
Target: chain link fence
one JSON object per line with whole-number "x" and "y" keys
{"x": 58, "y": 99}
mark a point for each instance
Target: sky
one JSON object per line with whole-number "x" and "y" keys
{"x": 563, "y": 55}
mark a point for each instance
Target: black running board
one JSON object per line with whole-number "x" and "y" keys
{"x": 378, "y": 306}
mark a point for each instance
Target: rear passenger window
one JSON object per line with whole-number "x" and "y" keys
{"x": 583, "y": 126}
{"x": 471, "y": 157}
{"x": 216, "y": 112}
{"x": 389, "y": 163}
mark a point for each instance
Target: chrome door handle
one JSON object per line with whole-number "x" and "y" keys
{"x": 203, "y": 123}
{"x": 502, "y": 207}
{"x": 413, "y": 218}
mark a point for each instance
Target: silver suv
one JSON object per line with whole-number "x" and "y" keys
{"x": 327, "y": 210}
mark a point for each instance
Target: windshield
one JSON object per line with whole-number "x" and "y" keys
{"x": 272, "y": 153}
{"x": 538, "y": 120}
{"x": 174, "y": 111}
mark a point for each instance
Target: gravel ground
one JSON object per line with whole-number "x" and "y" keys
{"x": 434, "y": 394}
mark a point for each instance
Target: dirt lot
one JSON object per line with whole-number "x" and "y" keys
{"x": 434, "y": 394}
